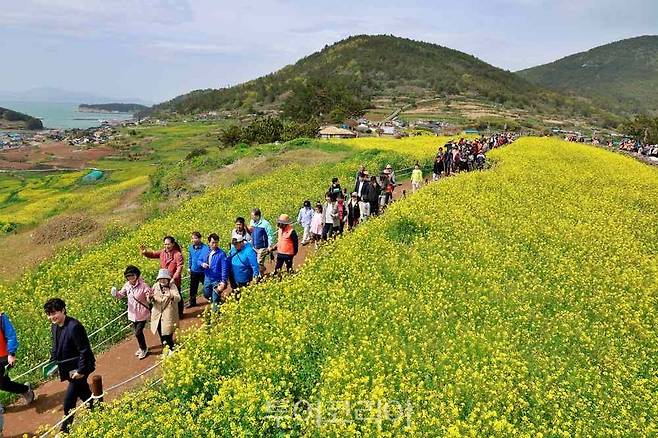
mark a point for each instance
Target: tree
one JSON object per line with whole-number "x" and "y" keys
{"x": 231, "y": 135}
{"x": 315, "y": 97}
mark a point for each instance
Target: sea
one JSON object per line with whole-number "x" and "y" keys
{"x": 62, "y": 115}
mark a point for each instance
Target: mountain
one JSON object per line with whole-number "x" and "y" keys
{"x": 622, "y": 75}
{"x": 14, "y": 120}
{"x": 111, "y": 107}
{"x": 383, "y": 67}
{"x": 57, "y": 95}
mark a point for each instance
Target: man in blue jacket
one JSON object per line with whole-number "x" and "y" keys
{"x": 215, "y": 268}
{"x": 196, "y": 271}
{"x": 244, "y": 264}
{"x": 72, "y": 352}
{"x": 8, "y": 349}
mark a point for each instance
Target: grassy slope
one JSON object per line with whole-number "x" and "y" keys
{"x": 515, "y": 302}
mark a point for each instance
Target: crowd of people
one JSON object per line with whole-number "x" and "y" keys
{"x": 636, "y": 146}
{"x": 466, "y": 155}
{"x": 219, "y": 273}
{"x": 627, "y": 145}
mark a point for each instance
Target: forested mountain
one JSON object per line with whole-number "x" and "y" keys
{"x": 352, "y": 73}
{"x": 622, "y": 76}
{"x": 15, "y": 120}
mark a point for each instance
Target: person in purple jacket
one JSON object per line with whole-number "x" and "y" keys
{"x": 214, "y": 262}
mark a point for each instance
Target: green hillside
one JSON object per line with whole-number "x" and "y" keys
{"x": 621, "y": 76}
{"x": 15, "y": 120}
{"x": 384, "y": 68}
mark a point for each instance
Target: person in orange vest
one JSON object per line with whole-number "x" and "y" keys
{"x": 8, "y": 348}
{"x": 287, "y": 244}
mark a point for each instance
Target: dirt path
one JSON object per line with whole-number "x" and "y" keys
{"x": 116, "y": 365}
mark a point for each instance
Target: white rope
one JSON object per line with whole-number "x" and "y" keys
{"x": 130, "y": 379}
{"x": 95, "y": 332}
{"x": 70, "y": 414}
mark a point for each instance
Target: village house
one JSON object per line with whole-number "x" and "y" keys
{"x": 335, "y": 132}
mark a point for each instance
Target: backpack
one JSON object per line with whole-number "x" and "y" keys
{"x": 231, "y": 275}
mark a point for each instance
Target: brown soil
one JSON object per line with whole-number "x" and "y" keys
{"x": 63, "y": 228}
{"x": 52, "y": 155}
{"x": 47, "y": 409}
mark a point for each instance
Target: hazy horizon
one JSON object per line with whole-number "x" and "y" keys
{"x": 154, "y": 50}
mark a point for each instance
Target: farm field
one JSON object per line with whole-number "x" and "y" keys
{"x": 149, "y": 173}
{"x": 518, "y": 301}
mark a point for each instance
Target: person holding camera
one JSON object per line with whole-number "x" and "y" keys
{"x": 72, "y": 353}
{"x": 171, "y": 258}
{"x": 139, "y": 311}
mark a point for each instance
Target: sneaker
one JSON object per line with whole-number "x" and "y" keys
{"x": 143, "y": 354}
{"x": 191, "y": 304}
{"x": 138, "y": 352}
{"x": 170, "y": 352}
{"x": 28, "y": 395}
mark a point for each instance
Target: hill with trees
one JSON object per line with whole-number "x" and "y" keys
{"x": 112, "y": 107}
{"x": 621, "y": 76}
{"x": 10, "y": 119}
{"x": 344, "y": 79}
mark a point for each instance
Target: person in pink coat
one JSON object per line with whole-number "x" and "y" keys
{"x": 139, "y": 311}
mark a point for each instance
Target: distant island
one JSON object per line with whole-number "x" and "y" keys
{"x": 111, "y": 108}
{"x": 14, "y": 120}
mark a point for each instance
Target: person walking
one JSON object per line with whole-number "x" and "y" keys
{"x": 195, "y": 249}
{"x": 334, "y": 188}
{"x": 304, "y": 217}
{"x": 72, "y": 353}
{"x": 416, "y": 178}
{"x": 439, "y": 166}
{"x": 8, "y": 350}
{"x": 316, "y": 224}
{"x": 215, "y": 267}
{"x": 262, "y": 235}
{"x": 373, "y": 194}
{"x": 353, "y": 212}
{"x": 244, "y": 267}
{"x": 171, "y": 258}
{"x": 361, "y": 186}
{"x": 330, "y": 221}
{"x": 139, "y": 312}
{"x": 164, "y": 316}
{"x": 342, "y": 213}
{"x": 287, "y": 244}
{"x": 240, "y": 229}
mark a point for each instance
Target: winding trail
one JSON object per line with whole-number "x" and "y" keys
{"x": 116, "y": 365}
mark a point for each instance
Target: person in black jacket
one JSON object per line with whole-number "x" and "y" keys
{"x": 72, "y": 352}
{"x": 372, "y": 195}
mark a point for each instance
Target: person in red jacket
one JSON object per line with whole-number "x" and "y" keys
{"x": 287, "y": 244}
{"x": 171, "y": 259}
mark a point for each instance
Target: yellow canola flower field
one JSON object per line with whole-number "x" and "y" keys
{"x": 83, "y": 279}
{"x": 516, "y": 302}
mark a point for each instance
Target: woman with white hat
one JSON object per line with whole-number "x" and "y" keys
{"x": 164, "y": 315}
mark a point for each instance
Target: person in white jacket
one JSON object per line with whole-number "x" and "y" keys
{"x": 304, "y": 218}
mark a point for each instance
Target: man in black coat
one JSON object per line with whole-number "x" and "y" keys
{"x": 361, "y": 186}
{"x": 72, "y": 352}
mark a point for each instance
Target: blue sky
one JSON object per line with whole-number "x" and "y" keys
{"x": 157, "y": 49}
